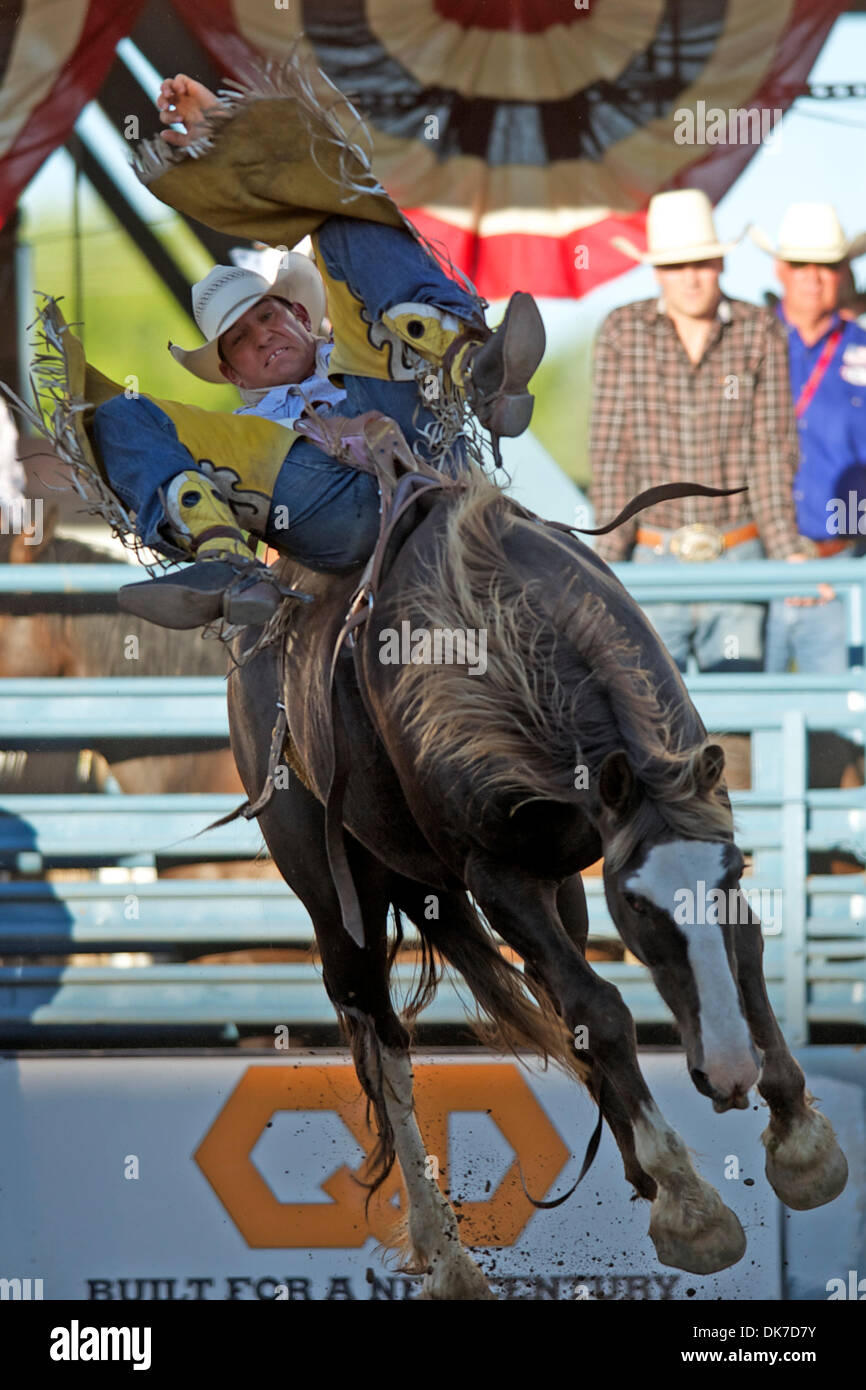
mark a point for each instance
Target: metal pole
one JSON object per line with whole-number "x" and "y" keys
{"x": 11, "y": 359}
{"x": 794, "y": 851}
{"x": 25, "y": 313}
{"x": 74, "y": 146}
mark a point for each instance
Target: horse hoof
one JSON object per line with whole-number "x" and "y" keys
{"x": 454, "y": 1280}
{"x": 807, "y": 1168}
{"x": 699, "y": 1246}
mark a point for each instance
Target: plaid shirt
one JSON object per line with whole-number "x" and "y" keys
{"x": 727, "y": 420}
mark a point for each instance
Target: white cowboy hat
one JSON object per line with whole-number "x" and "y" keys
{"x": 679, "y": 227}
{"x": 225, "y": 294}
{"x": 811, "y": 232}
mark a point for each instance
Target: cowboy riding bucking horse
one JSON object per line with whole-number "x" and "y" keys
{"x": 440, "y": 784}
{"x": 201, "y": 484}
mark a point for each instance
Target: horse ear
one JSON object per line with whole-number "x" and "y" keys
{"x": 23, "y": 551}
{"x": 616, "y": 783}
{"x": 709, "y": 766}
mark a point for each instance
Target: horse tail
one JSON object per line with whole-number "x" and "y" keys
{"x": 514, "y": 1013}
{"x": 508, "y": 1017}
{"x": 360, "y": 1033}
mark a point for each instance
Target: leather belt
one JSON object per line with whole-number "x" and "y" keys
{"x": 697, "y": 542}
{"x": 821, "y": 549}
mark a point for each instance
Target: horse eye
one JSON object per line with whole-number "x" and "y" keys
{"x": 636, "y": 904}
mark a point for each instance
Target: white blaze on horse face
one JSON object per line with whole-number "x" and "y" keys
{"x": 670, "y": 872}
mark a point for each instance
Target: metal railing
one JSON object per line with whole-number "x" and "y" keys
{"x": 815, "y": 941}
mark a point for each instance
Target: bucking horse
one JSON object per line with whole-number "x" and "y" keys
{"x": 487, "y": 784}
{"x": 491, "y": 785}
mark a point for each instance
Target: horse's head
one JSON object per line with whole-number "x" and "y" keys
{"x": 674, "y": 895}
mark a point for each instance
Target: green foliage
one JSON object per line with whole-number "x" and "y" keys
{"x": 561, "y": 387}
{"x": 127, "y": 313}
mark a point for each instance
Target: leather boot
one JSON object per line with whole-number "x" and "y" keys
{"x": 226, "y": 580}
{"x": 492, "y": 371}
{"x": 497, "y": 372}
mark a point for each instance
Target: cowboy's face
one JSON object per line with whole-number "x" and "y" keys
{"x": 270, "y": 345}
{"x": 811, "y": 291}
{"x": 691, "y": 288}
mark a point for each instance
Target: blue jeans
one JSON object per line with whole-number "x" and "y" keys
{"x": 723, "y": 636}
{"x": 814, "y": 638}
{"x": 384, "y": 266}
{"x": 333, "y": 509}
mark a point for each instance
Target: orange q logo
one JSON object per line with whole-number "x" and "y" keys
{"x": 499, "y": 1090}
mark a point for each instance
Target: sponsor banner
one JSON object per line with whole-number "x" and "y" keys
{"x": 233, "y": 1178}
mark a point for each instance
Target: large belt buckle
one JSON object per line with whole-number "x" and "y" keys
{"x": 697, "y": 542}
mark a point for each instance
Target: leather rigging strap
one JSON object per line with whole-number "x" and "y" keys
{"x": 588, "y": 1159}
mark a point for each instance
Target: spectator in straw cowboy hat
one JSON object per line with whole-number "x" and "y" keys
{"x": 827, "y": 355}
{"x": 694, "y": 385}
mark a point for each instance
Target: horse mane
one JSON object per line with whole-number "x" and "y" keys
{"x": 566, "y": 681}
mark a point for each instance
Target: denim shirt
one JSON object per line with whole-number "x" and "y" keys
{"x": 832, "y": 432}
